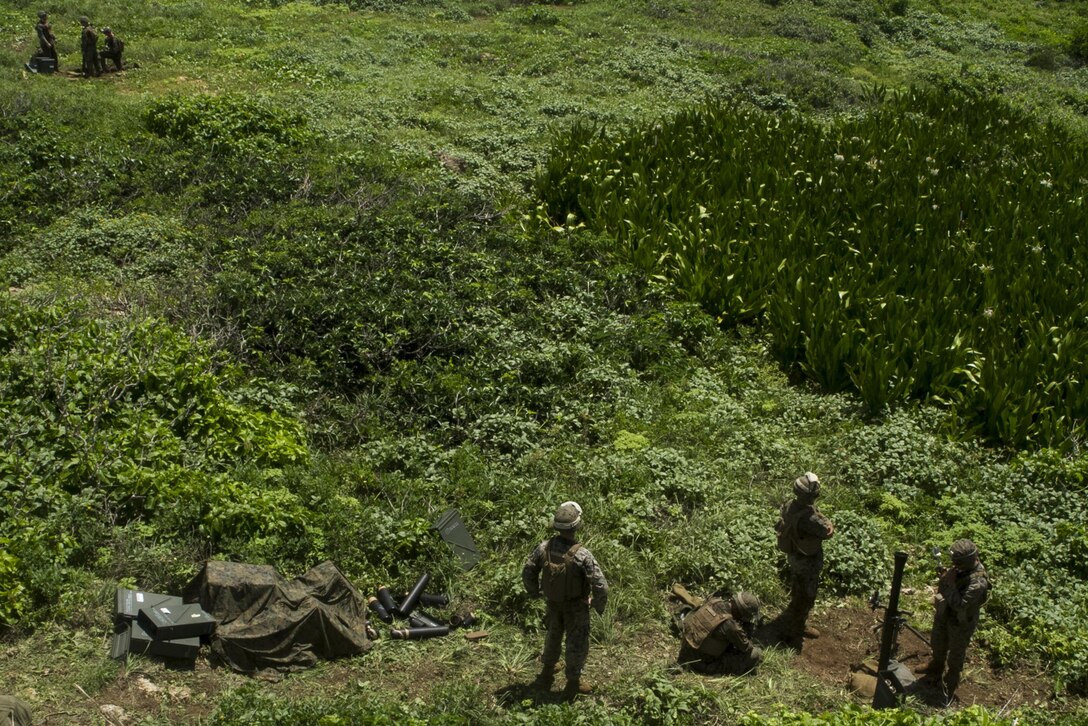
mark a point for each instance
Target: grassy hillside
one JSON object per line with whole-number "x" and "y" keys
{"x": 283, "y": 293}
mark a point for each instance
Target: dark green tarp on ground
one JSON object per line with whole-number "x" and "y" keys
{"x": 265, "y": 621}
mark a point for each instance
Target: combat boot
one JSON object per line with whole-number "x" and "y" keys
{"x": 546, "y": 677}
{"x": 578, "y": 686}
{"x": 933, "y": 668}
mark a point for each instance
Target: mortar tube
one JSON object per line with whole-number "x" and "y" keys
{"x": 379, "y": 610}
{"x": 412, "y": 598}
{"x": 434, "y": 601}
{"x": 386, "y": 599}
{"x": 419, "y": 633}
{"x": 420, "y": 619}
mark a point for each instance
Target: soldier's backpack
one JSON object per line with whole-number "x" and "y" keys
{"x": 786, "y": 529}
{"x": 561, "y": 579}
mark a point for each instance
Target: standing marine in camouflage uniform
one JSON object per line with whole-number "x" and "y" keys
{"x": 715, "y": 637}
{"x": 802, "y": 529}
{"x": 962, "y": 590}
{"x": 47, "y": 42}
{"x": 569, "y": 578}
{"x": 88, "y": 43}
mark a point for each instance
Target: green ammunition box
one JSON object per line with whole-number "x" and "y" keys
{"x": 141, "y": 641}
{"x": 127, "y": 604}
{"x": 169, "y": 621}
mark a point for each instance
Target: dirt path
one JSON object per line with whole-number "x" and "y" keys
{"x": 848, "y": 640}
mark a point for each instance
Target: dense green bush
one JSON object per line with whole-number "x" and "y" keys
{"x": 226, "y": 124}
{"x": 95, "y": 242}
{"x": 109, "y": 420}
{"x": 1077, "y": 45}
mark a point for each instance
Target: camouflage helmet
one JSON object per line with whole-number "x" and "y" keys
{"x": 963, "y": 550}
{"x": 745, "y": 607}
{"x": 806, "y": 485}
{"x": 84, "y": 20}
{"x": 568, "y": 517}
{"x": 107, "y": 30}
{"x": 42, "y": 15}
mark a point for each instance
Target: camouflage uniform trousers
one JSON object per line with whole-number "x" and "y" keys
{"x": 950, "y": 639}
{"x": 728, "y": 663}
{"x": 804, "y": 583}
{"x": 571, "y": 619}
{"x": 14, "y": 712}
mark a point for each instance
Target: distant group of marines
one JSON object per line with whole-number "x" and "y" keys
{"x": 716, "y": 633}
{"x": 94, "y": 58}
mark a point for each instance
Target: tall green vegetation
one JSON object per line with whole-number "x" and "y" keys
{"x": 932, "y": 249}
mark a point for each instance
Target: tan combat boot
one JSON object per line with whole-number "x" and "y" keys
{"x": 578, "y": 686}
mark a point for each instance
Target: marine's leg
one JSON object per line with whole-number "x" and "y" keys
{"x": 738, "y": 663}
{"x": 688, "y": 656}
{"x": 804, "y": 584}
{"x": 553, "y": 643}
{"x": 959, "y": 637}
{"x": 938, "y": 641}
{"x": 577, "y": 617}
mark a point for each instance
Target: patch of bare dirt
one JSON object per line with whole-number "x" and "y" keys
{"x": 183, "y": 693}
{"x": 848, "y": 639}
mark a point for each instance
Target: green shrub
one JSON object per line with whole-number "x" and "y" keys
{"x": 1077, "y": 45}
{"x": 857, "y": 560}
{"x": 97, "y": 242}
{"x": 114, "y": 420}
{"x": 800, "y": 28}
{"x": 1044, "y": 58}
{"x": 898, "y": 7}
{"x": 226, "y": 124}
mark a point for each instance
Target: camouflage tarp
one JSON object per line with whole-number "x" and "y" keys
{"x": 268, "y": 622}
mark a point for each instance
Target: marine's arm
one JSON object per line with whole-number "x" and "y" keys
{"x": 530, "y": 572}
{"x": 815, "y": 524}
{"x": 598, "y": 585}
{"x": 733, "y": 633}
{"x": 970, "y": 598}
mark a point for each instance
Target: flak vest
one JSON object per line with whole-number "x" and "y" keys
{"x": 561, "y": 579}
{"x": 790, "y": 540}
{"x": 701, "y": 626}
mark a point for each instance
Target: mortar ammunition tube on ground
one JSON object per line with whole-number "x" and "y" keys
{"x": 386, "y": 599}
{"x": 420, "y": 619}
{"x": 384, "y": 615}
{"x": 419, "y": 633}
{"x": 412, "y": 598}
{"x": 434, "y": 601}
{"x": 463, "y": 620}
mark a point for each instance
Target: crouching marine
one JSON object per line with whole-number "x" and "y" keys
{"x": 715, "y": 638}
